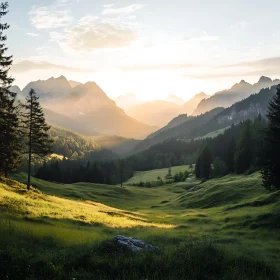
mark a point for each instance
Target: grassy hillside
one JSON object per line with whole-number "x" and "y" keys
{"x": 225, "y": 228}
{"x": 214, "y": 133}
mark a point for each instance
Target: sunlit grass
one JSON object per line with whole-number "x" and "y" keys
{"x": 32, "y": 204}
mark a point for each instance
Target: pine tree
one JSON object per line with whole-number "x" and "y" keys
{"x": 203, "y": 163}
{"x": 206, "y": 160}
{"x": 9, "y": 121}
{"x": 271, "y": 151}
{"x": 197, "y": 168}
{"x": 244, "y": 154}
{"x": 38, "y": 142}
{"x": 231, "y": 149}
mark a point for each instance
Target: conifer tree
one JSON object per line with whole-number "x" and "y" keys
{"x": 9, "y": 121}
{"x": 36, "y": 130}
{"x": 244, "y": 153}
{"x": 229, "y": 157}
{"x": 271, "y": 151}
{"x": 203, "y": 163}
{"x": 197, "y": 168}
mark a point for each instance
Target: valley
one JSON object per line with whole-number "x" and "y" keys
{"x": 139, "y": 141}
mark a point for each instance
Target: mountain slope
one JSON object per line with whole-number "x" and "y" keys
{"x": 236, "y": 93}
{"x": 68, "y": 123}
{"x": 175, "y": 99}
{"x": 119, "y": 145}
{"x": 85, "y": 109}
{"x": 190, "y": 106}
{"x": 127, "y": 101}
{"x": 185, "y": 130}
{"x": 249, "y": 108}
{"x": 74, "y": 83}
{"x": 173, "y": 123}
{"x": 156, "y": 113}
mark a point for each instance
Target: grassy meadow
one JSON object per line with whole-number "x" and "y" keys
{"x": 226, "y": 228}
{"x": 152, "y": 175}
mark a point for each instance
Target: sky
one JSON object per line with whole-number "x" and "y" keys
{"x": 151, "y": 48}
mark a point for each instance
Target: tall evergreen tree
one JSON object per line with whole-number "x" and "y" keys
{"x": 244, "y": 153}
{"x": 36, "y": 130}
{"x": 9, "y": 120}
{"x": 203, "y": 163}
{"x": 229, "y": 157}
{"x": 271, "y": 151}
{"x": 197, "y": 167}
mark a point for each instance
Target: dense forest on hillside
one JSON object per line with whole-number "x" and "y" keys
{"x": 180, "y": 152}
{"x": 218, "y": 118}
{"x": 185, "y": 130}
{"x": 74, "y": 146}
{"x": 169, "y": 153}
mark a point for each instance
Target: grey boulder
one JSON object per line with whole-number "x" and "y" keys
{"x": 133, "y": 244}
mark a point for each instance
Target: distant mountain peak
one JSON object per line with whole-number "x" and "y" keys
{"x": 201, "y": 94}
{"x": 62, "y": 78}
{"x": 241, "y": 85}
{"x": 264, "y": 79}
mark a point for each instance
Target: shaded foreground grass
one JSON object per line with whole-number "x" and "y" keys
{"x": 223, "y": 229}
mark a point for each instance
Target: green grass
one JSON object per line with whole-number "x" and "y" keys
{"x": 226, "y": 228}
{"x": 152, "y": 175}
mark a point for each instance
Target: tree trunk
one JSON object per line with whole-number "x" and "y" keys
{"x": 30, "y": 148}
{"x": 6, "y": 171}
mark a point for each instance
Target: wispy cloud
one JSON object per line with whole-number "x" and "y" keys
{"x": 32, "y": 34}
{"x": 95, "y": 33}
{"x": 28, "y": 65}
{"x": 123, "y": 10}
{"x": 52, "y": 16}
{"x": 270, "y": 62}
{"x": 157, "y": 67}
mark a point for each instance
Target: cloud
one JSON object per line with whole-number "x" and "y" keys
{"x": 108, "y": 6}
{"x": 203, "y": 38}
{"x": 53, "y": 16}
{"x": 32, "y": 34}
{"x": 265, "y": 72}
{"x": 270, "y": 62}
{"x": 94, "y": 33}
{"x": 239, "y": 25}
{"x": 28, "y": 65}
{"x": 157, "y": 67}
{"x": 123, "y": 10}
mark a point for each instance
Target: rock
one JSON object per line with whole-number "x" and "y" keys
{"x": 134, "y": 244}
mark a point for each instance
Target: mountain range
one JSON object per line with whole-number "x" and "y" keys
{"x": 84, "y": 108}
{"x": 186, "y": 128}
{"x": 236, "y": 93}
